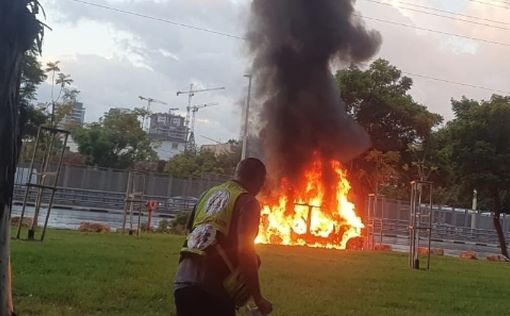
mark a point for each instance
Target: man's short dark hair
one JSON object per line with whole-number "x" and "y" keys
{"x": 250, "y": 168}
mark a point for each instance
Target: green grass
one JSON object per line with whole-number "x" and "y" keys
{"x": 74, "y": 273}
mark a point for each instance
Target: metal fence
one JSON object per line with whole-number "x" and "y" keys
{"x": 448, "y": 223}
{"x": 105, "y": 189}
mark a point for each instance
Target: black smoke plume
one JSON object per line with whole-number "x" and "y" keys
{"x": 294, "y": 43}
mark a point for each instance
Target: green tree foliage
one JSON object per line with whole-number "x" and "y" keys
{"x": 53, "y": 68}
{"x": 32, "y": 116}
{"x": 432, "y": 161}
{"x": 190, "y": 164}
{"x": 384, "y": 164}
{"x": 32, "y": 75}
{"x": 378, "y": 98}
{"x": 62, "y": 104}
{"x": 19, "y": 29}
{"x": 65, "y": 106}
{"x": 479, "y": 145}
{"x": 116, "y": 141}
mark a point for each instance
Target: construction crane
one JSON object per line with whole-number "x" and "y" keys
{"x": 191, "y": 128}
{"x": 194, "y": 109}
{"x": 212, "y": 139}
{"x": 191, "y": 93}
{"x": 149, "y": 101}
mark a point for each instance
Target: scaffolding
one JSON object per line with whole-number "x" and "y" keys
{"x": 420, "y": 221}
{"x": 375, "y": 223}
{"x": 47, "y": 178}
{"x": 134, "y": 200}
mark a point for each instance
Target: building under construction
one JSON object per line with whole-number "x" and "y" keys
{"x": 167, "y": 133}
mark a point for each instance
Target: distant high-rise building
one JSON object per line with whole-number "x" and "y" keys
{"x": 167, "y": 133}
{"x": 75, "y": 118}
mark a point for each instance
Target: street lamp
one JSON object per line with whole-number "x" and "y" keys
{"x": 246, "y": 115}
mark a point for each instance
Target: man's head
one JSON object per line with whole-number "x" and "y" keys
{"x": 251, "y": 173}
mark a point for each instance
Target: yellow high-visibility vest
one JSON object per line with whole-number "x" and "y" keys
{"x": 213, "y": 214}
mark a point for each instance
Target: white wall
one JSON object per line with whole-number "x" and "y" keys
{"x": 72, "y": 145}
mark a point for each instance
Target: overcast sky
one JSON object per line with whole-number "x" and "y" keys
{"x": 113, "y": 57}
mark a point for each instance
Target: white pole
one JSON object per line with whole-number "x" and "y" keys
{"x": 474, "y": 206}
{"x": 246, "y": 116}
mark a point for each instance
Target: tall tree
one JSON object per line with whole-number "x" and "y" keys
{"x": 202, "y": 162}
{"x": 18, "y": 30}
{"x": 378, "y": 98}
{"x": 65, "y": 106}
{"x": 59, "y": 109}
{"x": 116, "y": 141}
{"x": 32, "y": 76}
{"x": 194, "y": 164}
{"x": 480, "y": 151}
{"x": 432, "y": 160}
{"x": 62, "y": 80}
{"x": 53, "y": 68}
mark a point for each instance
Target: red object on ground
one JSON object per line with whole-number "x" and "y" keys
{"x": 151, "y": 205}
{"x": 468, "y": 255}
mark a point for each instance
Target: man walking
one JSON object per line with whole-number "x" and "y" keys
{"x": 218, "y": 267}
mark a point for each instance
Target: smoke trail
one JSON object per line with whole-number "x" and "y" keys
{"x": 293, "y": 43}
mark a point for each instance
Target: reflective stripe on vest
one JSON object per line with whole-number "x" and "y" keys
{"x": 214, "y": 211}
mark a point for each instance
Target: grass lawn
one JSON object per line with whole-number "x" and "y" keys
{"x": 73, "y": 273}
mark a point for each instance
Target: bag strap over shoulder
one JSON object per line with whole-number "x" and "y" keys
{"x": 225, "y": 258}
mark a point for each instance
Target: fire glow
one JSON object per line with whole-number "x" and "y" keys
{"x": 313, "y": 213}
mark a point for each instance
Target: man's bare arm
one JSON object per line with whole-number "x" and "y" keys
{"x": 248, "y": 261}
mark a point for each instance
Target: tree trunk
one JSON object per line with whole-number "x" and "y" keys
{"x": 5, "y": 273}
{"x": 18, "y": 29}
{"x": 497, "y": 223}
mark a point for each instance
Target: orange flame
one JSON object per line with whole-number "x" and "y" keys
{"x": 315, "y": 213}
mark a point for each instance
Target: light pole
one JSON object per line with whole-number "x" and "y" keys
{"x": 246, "y": 116}
{"x": 474, "y": 206}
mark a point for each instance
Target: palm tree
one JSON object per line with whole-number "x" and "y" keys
{"x": 62, "y": 80}
{"x": 53, "y": 68}
{"x": 18, "y": 30}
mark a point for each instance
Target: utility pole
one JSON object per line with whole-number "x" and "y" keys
{"x": 246, "y": 116}
{"x": 145, "y": 126}
{"x": 191, "y": 93}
